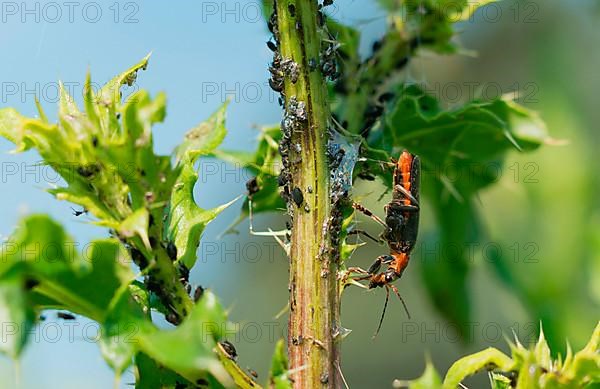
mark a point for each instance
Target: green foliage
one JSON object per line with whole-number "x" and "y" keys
{"x": 105, "y": 156}
{"x": 526, "y": 368}
{"x": 278, "y": 375}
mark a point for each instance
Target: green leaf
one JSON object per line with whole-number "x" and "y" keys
{"x": 542, "y": 352}
{"x": 110, "y": 94}
{"x": 11, "y": 124}
{"x": 186, "y": 220}
{"x": 102, "y": 291}
{"x": 458, "y": 140}
{"x": 124, "y": 319}
{"x": 189, "y": 349}
{"x": 584, "y": 368}
{"x": 16, "y": 313}
{"x": 471, "y": 364}
{"x": 85, "y": 285}
{"x": 136, "y": 224}
{"x": 108, "y": 163}
{"x": 41, "y": 253}
{"x": 498, "y": 381}
{"x": 279, "y": 373}
{"x": 204, "y": 138}
{"x": 429, "y": 380}
{"x": 150, "y": 375}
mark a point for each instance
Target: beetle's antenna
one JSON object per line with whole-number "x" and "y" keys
{"x": 387, "y": 297}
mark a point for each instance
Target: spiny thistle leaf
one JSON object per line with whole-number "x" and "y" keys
{"x": 429, "y": 380}
{"x": 186, "y": 221}
{"x": 471, "y": 364}
{"x": 105, "y": 155}
{"x": 42, "y": 254}
{"x": 529, "y": 368}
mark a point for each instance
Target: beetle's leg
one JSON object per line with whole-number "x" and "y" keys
{"x": 357, "y": 270}
{"x": 406, "y": 193}
{"x": 368, "y": 213}
{"x": 365, "y": 233}
{"x": 375, "y": 266}
{"x": 401, "y": 299}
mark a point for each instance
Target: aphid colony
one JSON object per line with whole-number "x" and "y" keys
{"x": 295, "y": 117}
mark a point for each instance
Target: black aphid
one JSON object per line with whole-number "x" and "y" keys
{"x": 184, "y": 272}
{"x": 171, "y": 250}
{"x": 272, "y": 46}
{"x": 297, "y": 196}
{"x": 253, "y": 373}
{"x": 65, "y": 316}
{"x": 88, "y": 171}
{"x": 229, "y": 349}
{"x": 198, "y": 293}
{"x": 252, "y": 186}
{"x": 78, "y": 213}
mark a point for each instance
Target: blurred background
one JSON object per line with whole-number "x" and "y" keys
{"x": 539, "y": 264}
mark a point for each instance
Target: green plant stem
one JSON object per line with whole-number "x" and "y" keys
{"x": 314, "y": 304}
{"x": 173, "y": 292}
{"x": 371, "y": 77}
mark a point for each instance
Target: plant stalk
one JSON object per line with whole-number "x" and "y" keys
{"x": 314, "y": 303}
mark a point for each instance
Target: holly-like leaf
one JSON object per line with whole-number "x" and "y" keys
{"x": 460, "y": 140}
{"x": 584, "y": 367}
{"x": 204, "y": 138}
{"x": 106, "y": 157}
{"x": 107, "y": 162}
{"x": 42, "y": 270}
{"x": 186, "y": 220}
